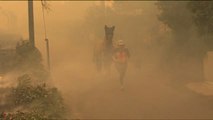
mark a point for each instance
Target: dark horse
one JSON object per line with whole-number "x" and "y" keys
{"x": 104, "y": 50}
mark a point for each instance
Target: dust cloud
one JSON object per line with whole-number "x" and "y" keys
{"x": 73, "y": 29}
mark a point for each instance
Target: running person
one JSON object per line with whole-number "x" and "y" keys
{"x": 120, "y": 58}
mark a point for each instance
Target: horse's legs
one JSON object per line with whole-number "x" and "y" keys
{"x": 107, "y": 67}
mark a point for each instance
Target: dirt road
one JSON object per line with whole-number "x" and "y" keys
{"x": 148, "y": 94}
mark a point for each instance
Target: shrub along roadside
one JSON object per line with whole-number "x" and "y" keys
{"x": 34, "y": 102}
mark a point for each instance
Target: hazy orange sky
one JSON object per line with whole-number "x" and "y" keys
{"x": 148, "y": 88}
{"x": 61, "y": 11}
{"x": 14, "y": 16}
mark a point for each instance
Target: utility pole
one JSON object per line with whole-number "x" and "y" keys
{"x": 31, "y": 23}
{"x": 45, "y": 33}
{"x": 48, "y": 53}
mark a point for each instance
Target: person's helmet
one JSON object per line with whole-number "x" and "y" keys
{"x": 121, "y": 43}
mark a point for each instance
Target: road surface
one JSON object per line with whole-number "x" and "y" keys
{"x": 148, "y": 94}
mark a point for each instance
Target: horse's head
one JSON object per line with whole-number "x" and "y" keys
{"x": 109, "y": 34}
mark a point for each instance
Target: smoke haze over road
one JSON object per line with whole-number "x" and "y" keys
{"x": 74, "y": 27}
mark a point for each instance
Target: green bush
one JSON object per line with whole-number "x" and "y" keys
{"x": 37, "y": 100}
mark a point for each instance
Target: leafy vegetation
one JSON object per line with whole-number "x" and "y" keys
{"x": 188, "y": 21}
{"x": 32, "y": 98}
{"x": 35, "y": 101}
{"x": 202, "y": 16}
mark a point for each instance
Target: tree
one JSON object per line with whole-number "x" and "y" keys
{"x": 203, "y": 18}
{"x": 187, "y": 19}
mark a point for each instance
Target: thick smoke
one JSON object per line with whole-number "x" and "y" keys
{"x": 155, "y": 84}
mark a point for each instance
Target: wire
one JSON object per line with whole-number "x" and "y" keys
{"x": 44, "y": 21}
{"x": 45, "y": 33}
